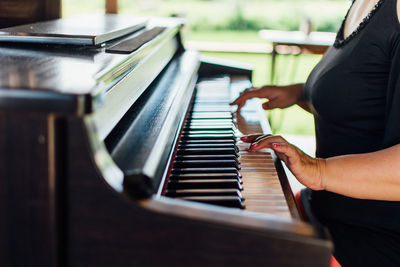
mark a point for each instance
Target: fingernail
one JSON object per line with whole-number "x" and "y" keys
{"x": 254, "y": 146}
{"x": 276, "y": 145}
{"x": 243, "y": 138}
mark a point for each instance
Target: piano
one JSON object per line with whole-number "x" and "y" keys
{"x": 128, "y": 154}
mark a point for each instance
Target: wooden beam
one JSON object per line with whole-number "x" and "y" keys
{"x": 111, "y": 6}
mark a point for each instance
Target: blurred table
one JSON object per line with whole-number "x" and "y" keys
{"x": 296, "y": 43}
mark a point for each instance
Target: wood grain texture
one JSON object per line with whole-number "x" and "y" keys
{"x": 18, "y": 12}
{"x": 28, "y": 234}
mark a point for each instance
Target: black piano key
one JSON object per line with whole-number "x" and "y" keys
{"x": 205, "y": 170}
{"x": 203, "y": 192}
{"x": 209, "y": 157}
{"x": 208, "y": 132}
{"x": 208, "y": 146}
{"x": 210, "y": 122}
{"x": 209, "y": 136}
{"x": 226, "y": 201}
{"x": 202, "y": 151}
{"x": 211, "y": 175}
{"x": 205, "y": 118}
{"x": 206, "y": 163}
{"x": 205, "y": 184}
{"x": 208, "y": 141}
{"x": 217, "y": 114}
{"x": 208, "y": 128}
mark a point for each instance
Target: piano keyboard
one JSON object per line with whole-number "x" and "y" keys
{"x": 213, "y": 166}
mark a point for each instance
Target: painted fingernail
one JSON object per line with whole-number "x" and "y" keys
{"x": 243, "y": 138}
{"x": 276, "y": 145}
{"x": 254, "y": 146}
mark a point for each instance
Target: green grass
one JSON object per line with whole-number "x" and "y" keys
{"x": 228, "y": 14}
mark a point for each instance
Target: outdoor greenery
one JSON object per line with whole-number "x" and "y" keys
{"x": 237, "y": 15}
{"x": 240, "y": 21}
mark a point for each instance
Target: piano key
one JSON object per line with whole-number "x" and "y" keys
{"x": 204, "y": 192}
{"x": 201, "y": 108}
{"x": 208, "y": 119}
{"x": 208, "y": 141}
{"x": 199, "y": 151}
{"x": 216, "y": 114}
{"x": 211, "y": 122}
{"x": 189, "y": 176}
{"x": 208, "y": 132}
{"x": 226, "y": 201}
{"x": 209, "y": 146}
{"x": 208, "y": 157}
{"x": 208, "y": 128}
{"x": 206, "y": 163}
{"x": 209, "y": 136}
{"x": 205, "y": 170}
{"x": 205, "y": 184}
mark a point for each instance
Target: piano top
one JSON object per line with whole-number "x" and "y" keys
{"x": 63, "y": 73}
{"x": 96, "y": 30}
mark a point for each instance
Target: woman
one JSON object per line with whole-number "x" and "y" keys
{"x": 354, "y": 94}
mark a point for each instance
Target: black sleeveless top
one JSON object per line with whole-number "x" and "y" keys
{"x": 354, "y": 93}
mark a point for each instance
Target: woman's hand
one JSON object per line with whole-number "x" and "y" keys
{"x": 278, "y": 96}
{"x": 309, "y": 171}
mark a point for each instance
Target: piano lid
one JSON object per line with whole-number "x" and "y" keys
{"x": 95, "y": 30}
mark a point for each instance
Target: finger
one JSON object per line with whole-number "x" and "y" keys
{"x": 250, "y": 138}
{"x": 240, "y": 103}
{"x": 266, "y": 142}
{"x": 247, "y": 94}
{"x": 271, "y": 104}
{"x": 262, "y": 137}
{"x": 287, "y": 151}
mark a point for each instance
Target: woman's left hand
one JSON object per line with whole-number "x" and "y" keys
{"x": 309, "y": 171}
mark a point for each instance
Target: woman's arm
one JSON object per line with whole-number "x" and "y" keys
{"x": 369, "y": 176}
{"x": 278, "y": 96}
{"x": 373, "y": 175}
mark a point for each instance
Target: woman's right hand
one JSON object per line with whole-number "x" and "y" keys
{"x": 277, "y": 96}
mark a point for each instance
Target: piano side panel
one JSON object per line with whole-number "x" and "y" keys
{"x": 28, "y": 231}
{"x": 105, "y": 228}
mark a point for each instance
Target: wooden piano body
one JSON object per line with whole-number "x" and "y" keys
{"x": 84, "y": 155}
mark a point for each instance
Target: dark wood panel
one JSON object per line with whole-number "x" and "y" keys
{"x": 17, "y": 12}
{"x": 27, "y": 192}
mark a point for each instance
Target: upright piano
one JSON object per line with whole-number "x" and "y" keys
{"x": 127, "y": 153}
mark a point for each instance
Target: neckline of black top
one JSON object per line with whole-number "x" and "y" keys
{"x": 340, "y": 40}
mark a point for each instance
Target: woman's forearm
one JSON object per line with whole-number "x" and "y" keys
{"x": 368, "y": 176}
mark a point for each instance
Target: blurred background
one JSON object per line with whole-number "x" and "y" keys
{"x": 230, "y": 29}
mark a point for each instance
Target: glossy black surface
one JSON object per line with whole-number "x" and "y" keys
{"x": 81, "y": 30}
{"x": 66, "y": 72}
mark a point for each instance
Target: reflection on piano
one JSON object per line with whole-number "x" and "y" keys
{"x": 111, "y": 159}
